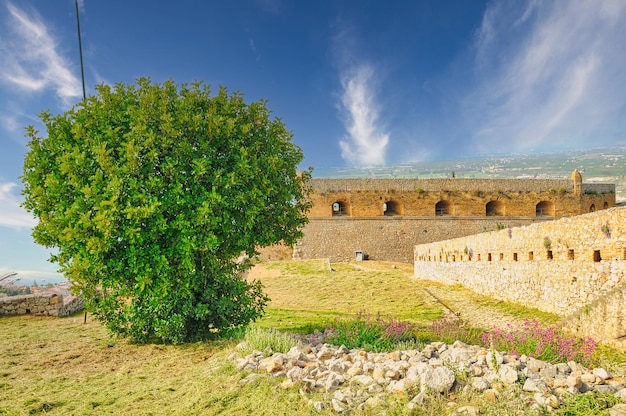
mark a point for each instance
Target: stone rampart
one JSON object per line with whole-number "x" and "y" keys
{"x": 50, "y": 304}
{"x": 436, "y": 185}
{"x": 386, "y": 218}
{"x": 563, "y": 266}
{"x": 389, "y": 238}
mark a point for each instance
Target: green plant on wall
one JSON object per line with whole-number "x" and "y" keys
{"x": 547, "y": 243}
{"x": 606, "y": 229}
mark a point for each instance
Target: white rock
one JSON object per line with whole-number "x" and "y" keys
{"x": 440, "y": 380}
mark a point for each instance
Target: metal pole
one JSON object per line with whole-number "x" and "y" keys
{"x": 80, "y": 51}
{"x": 82, "y": 76}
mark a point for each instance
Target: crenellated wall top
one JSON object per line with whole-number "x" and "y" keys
{"x": 322, "y": 185}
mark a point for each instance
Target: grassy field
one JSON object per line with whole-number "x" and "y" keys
{"x": 65, "y": 367}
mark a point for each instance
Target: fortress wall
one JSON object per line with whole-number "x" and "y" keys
{"x": 464, "y": 197}
{"x": 564, "y": 266}
{"x": 431, "y": 185}
{"x": 462, "y": 204}
{"x": 600, "y": 188}
{"x": 603, "y": 319}
{"x": 388, "y": 238}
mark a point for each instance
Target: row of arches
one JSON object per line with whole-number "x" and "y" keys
{"x": 445, "y": 208}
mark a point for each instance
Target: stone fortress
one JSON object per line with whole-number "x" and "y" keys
{"x": 558, "y": 245}
{"x": 385, "y": 218}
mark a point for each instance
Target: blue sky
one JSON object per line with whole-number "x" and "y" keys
{"x": 358, "y": 82}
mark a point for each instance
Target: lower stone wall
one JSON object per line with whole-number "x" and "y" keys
{"x": 41, "y": 305}
{"x": 604, "y": 319}
{"x": 564, "y": 266}
{"x": 71, "y": 305}
{"x": 390, "y": 238}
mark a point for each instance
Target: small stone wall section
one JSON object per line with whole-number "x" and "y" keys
{"x": 563, "y": 266}
{"x": 603, "y": 319}
{"x": 41, "y": 305}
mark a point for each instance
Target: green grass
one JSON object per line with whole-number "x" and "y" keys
{"x": 64, "y": 367}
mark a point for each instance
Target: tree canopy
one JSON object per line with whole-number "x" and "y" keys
{"x": 150, "y": 192}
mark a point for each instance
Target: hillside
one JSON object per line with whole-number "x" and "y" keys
{"x": 600, "y": 165}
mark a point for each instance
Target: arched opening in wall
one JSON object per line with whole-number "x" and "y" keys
{"x": 443, "y": 208}
{"x": 531, "y": 255}
{"x": 606, "y": 205}
{"x": 339, "y": 208}
{"x": 392, "y": 208}
{"x": 549, "y": 255}
{"x": 514, "y": 256}
{"x": 596, "y": 256}
{"x": 570, "y": 254}
{"x": 478, "y": 257}
{"x": 592, "y": 208}
{"x": 488, "y": 256}
{"x": 495, "y": 208}
{"x": 545, "y": 209}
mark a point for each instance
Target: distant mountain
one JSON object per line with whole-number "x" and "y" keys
{"x": 604, "y": 165}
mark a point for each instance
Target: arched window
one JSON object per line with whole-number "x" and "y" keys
{"x": 606, "y": 205}
{"x": 494, "y": 208}
{"x": 592, "y": 208}
{"x": 443, "y": 208}
{"x": 392, "y": 208}
{"x": 339, "y": 208}
{"x": 545, "y": 209}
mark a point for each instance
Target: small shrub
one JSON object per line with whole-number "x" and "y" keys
{"x": 547, "y": 243}
{"x": 261, "y": 339}
{"x": 606, "y": 229}
{"x": 371, "y": 333}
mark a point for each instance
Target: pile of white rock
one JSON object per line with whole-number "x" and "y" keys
{"x": 356, "y": 379}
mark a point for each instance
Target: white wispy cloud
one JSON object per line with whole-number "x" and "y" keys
{"x": 31, "y": 58}
{"x": 11, "y": 214}
{"x": 365, "y": 142}
{"x": 548, "y": 74}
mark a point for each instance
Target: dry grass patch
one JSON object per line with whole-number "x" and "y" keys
{"x": 314, "y": 287}
{"x": 64, "y": 367}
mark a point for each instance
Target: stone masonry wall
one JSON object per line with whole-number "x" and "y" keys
{"x": 565, "y": 266}
{"x": 42, "y": 305}
{"x": 388, "y": 238}
{"x": 460, "y": 197}
{"x": 386, "y": 218}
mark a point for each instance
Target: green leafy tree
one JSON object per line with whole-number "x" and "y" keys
{"x": 150, "y": 193}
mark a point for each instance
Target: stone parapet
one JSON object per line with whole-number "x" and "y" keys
{"x": 562, "y": 266}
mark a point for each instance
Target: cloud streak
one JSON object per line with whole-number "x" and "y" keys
{"x": 365, "y": 142}
{"x": 548, "y": 74}
{"x": 31, "y": 60}
{"x": 11, "y": 214}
